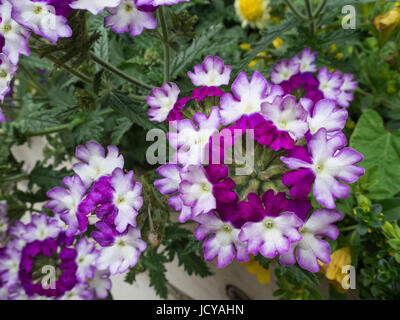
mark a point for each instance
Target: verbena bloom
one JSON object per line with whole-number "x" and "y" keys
{"x": 288, "y": 121}
{"x": 345, "y": 97}
{"x": 211, "y": 73}
{"x": 156, "y": 3}
{"x": 41, "y": 228}
{"x": 246, "y": 99}
{"x": 65, "y": 202}
{"x": 15, "y": 36}
{"x": 127, "y": 17}
{"x": 123, "y": 252}
{"x": 324, "y": 114}
{"x": 330, "y": 83}
{"x": 224, "y": 243}
{"x": 270, "y": 228}
{"x": 94, "y": 6}
{"x": 326, "y": 162}
{"x": 193, "y": 137}
{"x": 41, "y": 18}
{"x": 284, "y": 70}
{"x": 94, "y": 163}
{"x": 311, "y": 247}
{"x": 253, "y": 12}
{"x": 86, "y": 255}
{"x": 162, "y": 101}
{"x": 7, "y": 72}
{"x": 306, "y": 60}
{"x": 100, "y": 284}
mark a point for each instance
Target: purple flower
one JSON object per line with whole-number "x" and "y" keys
{"x": 284, "y": 70}
{"x": 127, "y": 17}
{"x": 324, "y": 114}
{"x": 94, "y": 162}
{"x": 15, "y": 36}
{"x": 123, "y": 253}
{"x": 311, "y": 247}
{"x": 9, "y": 267}
{"x": 192, "y": 142}
{"x": 330, "y": 83}
{"x": 156, "y": 3}
{"x": 86, "y": 255}
{"x": 288, "y": 119}
{"x": 162, "y": 101}
{"x": 211, "y": 73}
{"x": 246, "y": 99}
{"x": 41, "y": 228}
{"x": 224, "y": 243}
{"x": 271, "y": 227}
{"x": 345, "y": 97}
{"x": 100, "y": 284}
{"x": 326, "y": 162}
{"x": 7, "y": 72}
{"x": 65, "y": 202}
{"x": 306, "y": 60}
{"x": 41, "y": 18}
{"x": 94, "y": 6}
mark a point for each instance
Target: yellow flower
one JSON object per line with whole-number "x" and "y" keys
{"x": 245, "y": 46}
{"x": 253, "y": 12}
{"x": 254, "y": 267}
{"x": 333, "y": 270}
{"x": 277, "y": 43}
{"x": 386, "y": 23}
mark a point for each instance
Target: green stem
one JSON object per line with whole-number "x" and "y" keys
{"x": 295, "y": 11}
{"x": 58, "y": 63}
{"x": 310, "y": 15}
{"x": 320, "y": 8}
{"x": 119, "y": 73}
{"x": 61, "y": 127}
{"x": 165, "y": 42}
{"x": 350, "y": 228}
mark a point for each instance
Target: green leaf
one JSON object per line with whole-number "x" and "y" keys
{"x": 381, "y": 149}
{"x": 391, "y": 208}
{"x": 196, "y": 49}
{"x": 154, "y": 263}
{"x": 123, "y": 125}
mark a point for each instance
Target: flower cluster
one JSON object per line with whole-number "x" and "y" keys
{"x": 299, "y": 131}
{"x": 99, "y": 194}
{"x": 48, "y": 19}
{"x": 40, "y": 261}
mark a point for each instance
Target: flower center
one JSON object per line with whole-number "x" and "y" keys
{"x": 120, "y": 200}
{"x": 302, "y": 230}
{"x": 319, "y": 167}
{"x": 128, "y": 7}
{"x": 38, "y": 10}
{"x": 251, "y": 10}
{"x": 226, "y": 228}
{"x": 3, "y": 74}
{"x": 7, "y": 28}
{"x": 121, "y": 243}
{"x": 282, "y": 124}
{"x": 268, "y": 223}
{"x": 205, "y": 187}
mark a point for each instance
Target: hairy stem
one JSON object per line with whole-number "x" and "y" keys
{"x": 297, "y": 13}
{"x": 310, "y": 15}
{"x": 119, "y": 73}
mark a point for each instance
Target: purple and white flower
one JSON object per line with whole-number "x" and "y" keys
{"x": 306, "y": 60}
{"x": 346, "y": 97}
{"x": 326, "y": 163}
{"x": 330, "y": 83}
{"x": 127, "y": 17}
{"x": 162, "y": 101}
{"x": 284, "y": 70}
{"x": 156, "y": 3}
{"x": 15, "y": 36}
{"x": 311, "y": 247}
{"x": 41, "y": 18}
{"x": 41, "y": 228}
{"x": 246, "y": 99}
{"x": 123, "y": 253}
{"x": 191, "y": 142}
{"x": 7, "y": 72}
{"x": 86, "y": 255}
{"x": 65, "y": 202}
{"x": 100, "y": 284}
{"x": 94, "y": 6}
{"x": 224, "y": 243}
{"x": 94, "y": 163}
{"x": 211, "y": 73}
